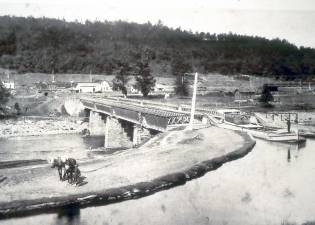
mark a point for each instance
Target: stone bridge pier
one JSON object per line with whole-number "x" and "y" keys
{"x": 117, "y": 133}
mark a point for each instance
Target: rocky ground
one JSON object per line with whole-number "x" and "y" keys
{"x": 31, "y": 127}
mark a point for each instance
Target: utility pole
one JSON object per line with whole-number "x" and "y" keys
{"x": 193, "y": 103}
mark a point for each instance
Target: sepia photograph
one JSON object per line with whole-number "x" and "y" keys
{"x": 155, "y": 112}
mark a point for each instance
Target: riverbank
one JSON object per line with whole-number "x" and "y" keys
{"x": 166, "y": 161}
{"x": 25, "y": 126}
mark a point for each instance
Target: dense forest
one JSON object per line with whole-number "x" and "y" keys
{"x": 51, "y": 45}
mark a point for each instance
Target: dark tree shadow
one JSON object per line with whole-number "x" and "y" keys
{"x": 69, "y": 214}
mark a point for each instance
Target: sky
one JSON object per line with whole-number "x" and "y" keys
{"x": 293, "y": 20}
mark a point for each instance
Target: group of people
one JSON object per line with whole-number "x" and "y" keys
{"x": 68, "y": 169}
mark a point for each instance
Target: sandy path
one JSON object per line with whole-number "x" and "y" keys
{"x": 169, "y": 153}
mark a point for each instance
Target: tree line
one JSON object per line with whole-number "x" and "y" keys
{"x": 4, "y": 98}
{"x": 56, "y": 46}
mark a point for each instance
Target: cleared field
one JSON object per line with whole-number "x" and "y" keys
{"x": 208, "y": 80}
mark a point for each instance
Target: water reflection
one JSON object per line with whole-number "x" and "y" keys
{"x": 289, "y": 154}
{"x": 292, "y": 150}
{"x": 68, "y": 215}
{"x": 301, "y": 145}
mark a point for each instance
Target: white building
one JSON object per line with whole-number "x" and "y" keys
{"x": 8, "y": 84}
{"x": 105, "y": 87}
{"x": 85, "y": 87}
{"x": 134, "y": 90}
{"x": 92, "y": 87}
{"x": 164, "y": 88}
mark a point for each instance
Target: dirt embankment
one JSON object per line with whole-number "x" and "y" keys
{"x": 166, "y": 161}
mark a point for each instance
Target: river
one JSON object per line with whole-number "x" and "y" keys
{"x": 45, "y": 147}
{"x": 264, "y": 187}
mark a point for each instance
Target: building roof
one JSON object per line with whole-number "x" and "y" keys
{"x": 87, "y": 83}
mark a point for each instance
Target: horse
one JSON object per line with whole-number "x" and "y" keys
{"x": 76, "y": 174}
{"x": 71, "y": 169}
{"x": 67, "y": 168}
{"x": 60, "y": 163}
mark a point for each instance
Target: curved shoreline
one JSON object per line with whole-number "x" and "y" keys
{"x": 21, "y": 208}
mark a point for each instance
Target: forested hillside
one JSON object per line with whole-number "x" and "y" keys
{"x": 50, "y": 45}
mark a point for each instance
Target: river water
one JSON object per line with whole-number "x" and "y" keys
{"x": 264, "y": 187}
{"x": 45, "y": 147}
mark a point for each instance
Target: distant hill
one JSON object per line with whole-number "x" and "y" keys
{"x": 51, "y": 45}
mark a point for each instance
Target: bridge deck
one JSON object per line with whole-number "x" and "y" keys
{"x": 147, "y": 116}
{"x": 138, "y": 108}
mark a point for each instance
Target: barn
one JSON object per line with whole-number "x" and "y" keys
{"x": 92, "y": 87}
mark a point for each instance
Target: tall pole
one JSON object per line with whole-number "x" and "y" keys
{"x": 193, "y": 103}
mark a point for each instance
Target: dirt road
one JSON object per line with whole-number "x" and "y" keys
{"x": 170, "y": 153}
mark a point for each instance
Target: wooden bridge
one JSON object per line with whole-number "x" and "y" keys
{"x": 150, "y": 117}
{"x": 138, "y": 114}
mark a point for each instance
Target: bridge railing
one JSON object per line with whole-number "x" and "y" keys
{"x": 163, "y": 106}
{"x": 147, "y": 103}
{"x": 167, "y": 106}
